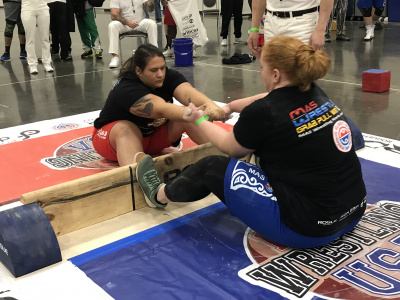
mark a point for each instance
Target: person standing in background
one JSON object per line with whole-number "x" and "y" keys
{"x": 35, "y": 13}
{"x": 157, "y": 11}
{"x": 85, "y": 19}
{"x": 370, "y": 18}
{"x": 60, "y": 37}
{"x": 229, "y": 7}
{"x": 305, "y": 20}
{"x": 170, "y": 30}
{"x": 12, "y": 11}
{"x": 340, "y": 7}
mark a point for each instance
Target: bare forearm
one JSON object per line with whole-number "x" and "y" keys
{"x": 118, "y": 17}
{"x": 324, "y": 14}
{"x": 216, "y": 135}
{"x": 239, "y": 104}
{"x": 197, "y": 97}
{"x": 223, "y": 140}
{"x": 153, "y": 107}
{"x": 258, "y": 9}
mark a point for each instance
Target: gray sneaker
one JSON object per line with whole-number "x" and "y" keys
{"x": 149, "y": 182}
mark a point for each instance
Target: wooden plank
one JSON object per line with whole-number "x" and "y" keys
{"x": 89, "y": 200}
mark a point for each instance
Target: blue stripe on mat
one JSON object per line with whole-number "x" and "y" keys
{"x": 146, "y": 234}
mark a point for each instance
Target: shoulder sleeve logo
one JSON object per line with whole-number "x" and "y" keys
{"x": 342, "y": 136}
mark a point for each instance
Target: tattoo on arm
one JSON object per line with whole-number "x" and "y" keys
{"x": 118, "y": 17}
{"x": 143, "y": 107}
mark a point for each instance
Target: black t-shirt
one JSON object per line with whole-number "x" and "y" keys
{"x": 130, "y": 89}
{"x": 303, "y": 144}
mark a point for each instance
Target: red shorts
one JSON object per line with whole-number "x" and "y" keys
{"x": 168, "y": 19}
{"x": 152, "y": 144}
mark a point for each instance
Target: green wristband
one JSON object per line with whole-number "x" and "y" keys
{"x": 254, "y": 29}
{"x": 204, "y": 118}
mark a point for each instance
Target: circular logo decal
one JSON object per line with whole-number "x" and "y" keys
{"x": 78, "y": 153}
{"x": 342, "y": 136}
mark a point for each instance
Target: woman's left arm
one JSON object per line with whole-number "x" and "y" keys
{"x": 186, "y": 93}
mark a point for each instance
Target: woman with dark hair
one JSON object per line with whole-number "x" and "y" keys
{"x": 139, "y": 114}
{"x": 309, "y": 188}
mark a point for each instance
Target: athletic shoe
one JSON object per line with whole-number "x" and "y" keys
{"x": 69, "y": 57}
{"x": 87, "y": 53}
{"x": 5, "y": 56}
{"x": 224, "y": 42}
{"x": 239, "y": 41}
{"x": 33, "y": 70}
{"x": 327, "y": 38}
{"x": 378, "y": 26}
{"x": 369, "y": 34}
{"x": 98, "y": 54}
{"x": 22, "y": 54}
{"x": 48, "y": 67}
{"x": 149, "y": 182}
{"x": 169, "y": 52}
{"x": 114, "y": 62}
{"x": 342, "y": 37}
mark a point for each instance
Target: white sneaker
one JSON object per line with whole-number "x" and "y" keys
{"x": 48, "y": 67}
{"x": 239, "y": 41}
{"x": 224, "y": 42}
{"x": 169, "y": 52}
{"x": 114, "y": 62}
{"x": 369, "y": 34}
{"x": 33, "y": 69}
{"x": 194, "y": 53}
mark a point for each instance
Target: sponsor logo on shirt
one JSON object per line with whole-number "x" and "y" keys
{"x": 311, "y": 118}
{"x": 342, "y": 136}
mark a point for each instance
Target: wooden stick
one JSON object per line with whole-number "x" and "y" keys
{"x": 89, "y": 200}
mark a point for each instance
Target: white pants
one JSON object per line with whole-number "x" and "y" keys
{"x": 41, "y": 19}
{"x": 300, "y": 27}
{"x": 115, "y": 28}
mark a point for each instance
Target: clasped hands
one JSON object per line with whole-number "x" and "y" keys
{"x": 193, "y": 113}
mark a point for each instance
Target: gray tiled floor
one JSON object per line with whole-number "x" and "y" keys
{"x": 81, "y": 86}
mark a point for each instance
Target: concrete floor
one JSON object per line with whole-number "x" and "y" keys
{"x": 80, "y": 86}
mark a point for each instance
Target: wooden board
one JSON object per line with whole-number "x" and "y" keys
{"x": 89, "y": 200}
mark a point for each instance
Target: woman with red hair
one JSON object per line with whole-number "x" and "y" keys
{"x": 307, "y": 189}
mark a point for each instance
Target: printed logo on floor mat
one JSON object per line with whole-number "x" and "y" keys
{"x": 362, "y": 264}
{"x": 78, "y": 153}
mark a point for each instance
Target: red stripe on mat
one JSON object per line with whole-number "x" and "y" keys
{"x": 22, "y": 170}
